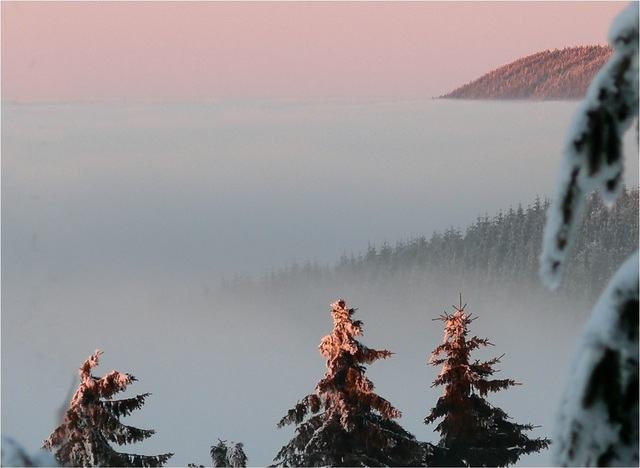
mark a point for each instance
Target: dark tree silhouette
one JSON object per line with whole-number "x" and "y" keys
{"x": 349, "y": 424}
{"x": 93, "y": 421}
{"x": 228, "y": 455}
{"x": 472, "y": 431}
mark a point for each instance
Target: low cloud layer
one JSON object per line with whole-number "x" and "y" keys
{"x": 120, "y": 220}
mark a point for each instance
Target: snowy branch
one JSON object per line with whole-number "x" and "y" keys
{"x": 592, "y": 156}
{"x": 598, "y": 417}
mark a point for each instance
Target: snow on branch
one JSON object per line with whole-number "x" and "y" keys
{"x": 597, "y": 423}
{"x": 592, "y": 157}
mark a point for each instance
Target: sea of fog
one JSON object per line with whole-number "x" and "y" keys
{"x": 120, "y": 220}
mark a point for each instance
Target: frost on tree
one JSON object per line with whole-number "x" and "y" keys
{"x": 92, "y": 422}
{"x": 348, "y": 424}
{"x": 228, "y": 455}
{"x": 597, "y": 422}
{"x": 472, "y": 431}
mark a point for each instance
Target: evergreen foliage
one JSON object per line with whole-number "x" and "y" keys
{"x": 92, "y": 422}
{"x": 499, "y": 250}
{"x": 348, "y": 424}
{"x": 551, "y": 75}
{"x": 228, "y": 455}
{"x": 472, "y": 431}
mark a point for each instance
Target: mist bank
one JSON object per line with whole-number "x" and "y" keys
{"x": 226, "y": 188}
{"x": 499, "y": 250}
{"x": 230, "y": 367}
{"x": 120, "y": 220}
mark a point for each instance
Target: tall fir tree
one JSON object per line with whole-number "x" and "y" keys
{"x": 349, "y": 424}
{"x": 472, "y": 431}
{"x": 93, "y": 421}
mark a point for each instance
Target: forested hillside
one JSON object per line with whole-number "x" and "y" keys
{"x": 549, "y": 75}
{"x": 501, "y": 250}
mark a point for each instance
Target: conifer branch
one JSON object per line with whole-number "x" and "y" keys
{"x": 91, "y": 423}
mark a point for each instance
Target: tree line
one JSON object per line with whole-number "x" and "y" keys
{"x": 502, "y": 250}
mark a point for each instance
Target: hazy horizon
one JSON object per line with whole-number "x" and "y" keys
{"x": 244, "y": 172}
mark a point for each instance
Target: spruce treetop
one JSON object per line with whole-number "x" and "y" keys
{"x": 348, "y": 424}
{"x": 472, "y": 431}
{"x": 93, "y": 420}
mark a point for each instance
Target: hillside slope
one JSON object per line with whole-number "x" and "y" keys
{"x": 550, "y": 75}
{"x": 500, "y": 251}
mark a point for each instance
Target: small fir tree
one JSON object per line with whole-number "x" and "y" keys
{"x": 349, "y": 424}
{"x": 472, "y": 431}
{"x": 228, "y": 455}
{"x": 93, "y": 421}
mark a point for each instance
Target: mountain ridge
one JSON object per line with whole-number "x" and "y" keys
{"x": 560, "y": 74}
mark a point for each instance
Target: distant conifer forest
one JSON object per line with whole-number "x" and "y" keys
{"x": 561, "y": 74}
{"x": 494, "y": 251}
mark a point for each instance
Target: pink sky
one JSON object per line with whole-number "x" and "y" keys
{"x": 59, "y": 51}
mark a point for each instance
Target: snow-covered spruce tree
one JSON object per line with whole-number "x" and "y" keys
{"x": 93, "y": 421}
{"x": 597, "y": 422}
{"x": 349, "y": 424}
{"x": 472, "y": 431}
{"x": 228, "y": 455}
